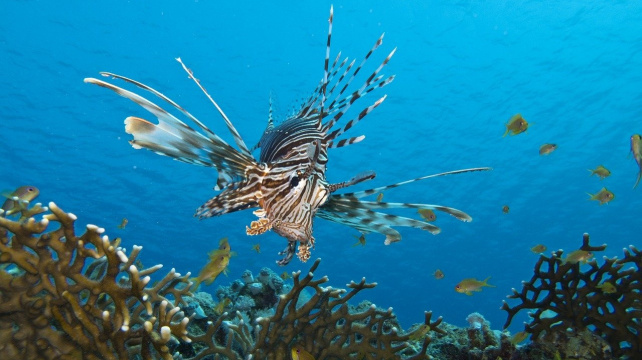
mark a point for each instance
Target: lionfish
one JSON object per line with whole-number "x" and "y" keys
{"x": 287, "y": 183}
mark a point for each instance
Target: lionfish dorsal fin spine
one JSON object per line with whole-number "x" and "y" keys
{"x": 237, "y": 137}
{"x": 358, "y": 93}
{"x": 345, "y": 142}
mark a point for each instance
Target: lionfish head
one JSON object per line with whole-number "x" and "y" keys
{"x": 290, "y": 209}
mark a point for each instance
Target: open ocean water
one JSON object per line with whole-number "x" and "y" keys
{"x": 573, "y": 69}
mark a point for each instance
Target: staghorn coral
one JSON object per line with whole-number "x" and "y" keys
{"x": 565, "y": 296}
{"x": 325, "y": 325}
{"x": 64, "y": 296}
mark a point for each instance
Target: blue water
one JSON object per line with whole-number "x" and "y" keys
{"x": 573, "y": 69}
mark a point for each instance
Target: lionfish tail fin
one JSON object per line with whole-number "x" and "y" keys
{"x": 172, "y": 137}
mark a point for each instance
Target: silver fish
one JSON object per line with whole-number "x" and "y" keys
{"x": 287, "y": 183}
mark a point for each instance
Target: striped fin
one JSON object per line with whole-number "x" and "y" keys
{"x": 171, "y": 137}
{"x": 351, "y": 123}
{"x": 237, "y": 137}
{"x": 360, "y": 194}
{"x": 359, "y": 93}
{"x": 370, "y": 221}
{"x": 356, "y": 71}
{"x": 346, "y": 142}
{"x": 354, "y": 203}
{"x": 229, "y": 200}
{"x": 363, "y": 176}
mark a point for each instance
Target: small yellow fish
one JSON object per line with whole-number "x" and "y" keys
{"x": 518, "y": 337}
{"x": 607, "y": 288}
{"x": 220, "y": 307}
{"x": 636, "y": 149}
{"x": 123, "y": 223}
{"x": 380, "y": 197}
{"x": 438, "y": 274}
{"x": 547, "y": 149}
{"x": 224, "y": 245}
{"x": 285, "y": 275}
{"x": 298, "y": 353}
{"x": 419, "y": 333}
{"x": 427, "y": 214}
{"x": 604, "y": 196}
{"x": 18, "y": 200}
{"x": 538, "y": 249}
{"x": 223, "y": 249}
{"x": 505, "y": 209}
{"x": 600, "y": 171}
{"x": 576, "y": 256}
{"x": 361, "y": 240}
{"x": 467, "y": 286}
{"x": 257, "y": 248}
{"x": 516, "y": 125}
{"x": 219, "y": 260}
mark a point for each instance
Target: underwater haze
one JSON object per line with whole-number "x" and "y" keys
{"x": 572, "y": 69}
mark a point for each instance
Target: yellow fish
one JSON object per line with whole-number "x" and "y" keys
{"x": 636, "y": 149}
{"x": 600, "y": 171}
{"x": 223, "y": 249}
{"x": 547, "y": 149}
{"x": 219, "y": 260}
{"x": 220, "y": 307}
{"x": 419, "y": 333}
{"x": 467, "y": 286}
{"x": 18, "y": 200}
{"x": 285, "y": 275}
{"x": 505, "y": 209}
{"x": 257, "y": 248}
{"x": 438, "y": 274}
{"x": 604, "y": 196}
{"x": 380, "y": 197}
{"x": 518, "y": 337}
{"x": 576, "y": 256}
{"x": 607, "y": 288}
{"x": 123, "y": 223}
{"x": 516, "y": 125}
{"x": 361, "y": 240}
{"x": 538, "y": 249}
{"x": 298, "y": 353}
{"x": 427, "y": 214}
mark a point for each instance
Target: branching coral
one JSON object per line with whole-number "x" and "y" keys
{"x": 565, "y": 296}
{"x": 68, "y": 296}
{"x": 325, "y": 325}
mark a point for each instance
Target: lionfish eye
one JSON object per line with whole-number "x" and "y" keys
{"x": 294, "y": 181}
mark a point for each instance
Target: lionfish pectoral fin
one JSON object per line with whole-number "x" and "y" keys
{"x": 258, "y": 227}
{"x": 230, "y": 200}
{"x": 174, "y": 138}
{"x": 361, "y": 177}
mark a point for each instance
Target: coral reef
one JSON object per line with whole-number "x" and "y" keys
{"x": 64, "y": 296}
{"x": 565, "y": 297}
{"x": 324, "y": 324}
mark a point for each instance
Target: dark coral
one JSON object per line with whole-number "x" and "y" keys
{"x": 566, "y": 297}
